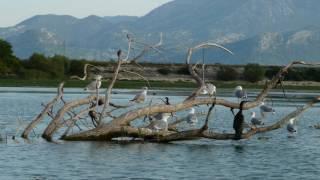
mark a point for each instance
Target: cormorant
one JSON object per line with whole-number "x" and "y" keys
{"x": 166, "y": 101}
{"x": 94, "y": 118}
{"x": 238, "y": 122}
{"x": 119, "y": 53}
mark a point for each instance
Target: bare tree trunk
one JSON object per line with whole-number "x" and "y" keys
{"x": 56, "y": 122}
{"x": 125, "y": 119}
{"x": 120, "y": 126}
{"x": 39, "y": 118}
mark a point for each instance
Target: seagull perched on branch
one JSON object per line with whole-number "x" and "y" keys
{"x": 256, "y": 121}
{"x": 240, "y": 93}
{"x": 94, "y": 85}
{"x": 209, "y": 89}
{"x": 139, "y": 98}
{"x": 160, "y": 121}
{"x": 266, "y": 109}
{"x": 192, "y": 118}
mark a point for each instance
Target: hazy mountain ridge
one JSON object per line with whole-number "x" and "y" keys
{"x": 264, "y": 31}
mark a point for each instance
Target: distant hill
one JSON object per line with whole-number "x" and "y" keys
{"x": 262, "y": 31}
{"x": 276, "y": 48}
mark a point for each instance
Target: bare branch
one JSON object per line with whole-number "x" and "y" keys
{"x": 194, "y": 74}
{"x": 56, "y": 122}
{"x": 147, "y": 48}
{"x": 85, "y": 72}
{"x": 109, "y": 90}
{"x": 40, "y": 116}
{"x": 138, "y": 75}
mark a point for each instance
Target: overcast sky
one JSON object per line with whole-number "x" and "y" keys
{"x": 14, "y": 11}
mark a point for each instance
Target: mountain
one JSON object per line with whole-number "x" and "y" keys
{"x": 277, "y": 48}
{"x": 264, "y": 31}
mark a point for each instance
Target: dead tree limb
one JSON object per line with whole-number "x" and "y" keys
{"x": 126, "y": 118}
{"x": 277, "y": 125}
{"x": 168, "y": 136}
{"x": 56, "y": 122}
{"x": 147, "y": 48}
{"x": 108, "y": 92}
{"x": 200, "y": 82}
{"x": 85, "y": 72}
{"x": 40, "y": 116}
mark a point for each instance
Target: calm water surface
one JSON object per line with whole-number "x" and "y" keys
{"x": 266, "y": 156}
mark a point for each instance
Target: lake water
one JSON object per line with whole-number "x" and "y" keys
{"x": 265, "y": 156}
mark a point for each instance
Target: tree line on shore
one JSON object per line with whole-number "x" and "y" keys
{"x": 38, "y": 66}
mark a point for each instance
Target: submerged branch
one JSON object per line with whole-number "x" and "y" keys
{"x": 46, "y": 110}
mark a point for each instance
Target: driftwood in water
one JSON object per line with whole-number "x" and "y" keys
{"x": 43, "y": 113}
{"x": 120, "y": 125}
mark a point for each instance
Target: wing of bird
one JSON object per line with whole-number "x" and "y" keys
{"x": 91, "y": 86}
{"x": 265, "y": 108}
{"x": 139, "y": 98}
{"x": 291, "y": 128}
{"x": 192, "y": 119}
{"x": 256, "y": 121}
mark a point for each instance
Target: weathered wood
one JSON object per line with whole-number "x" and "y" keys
{"x": 125, "y": 119}
{"x": 56, "y": 122}
{"x": 108, "y": 91}
{"x": 106, "y": 134}
{"x": 43, "y": 113}
{"x": 200, "y": 82}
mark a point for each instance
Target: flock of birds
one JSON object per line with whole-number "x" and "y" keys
{"x": 160, "y": 121}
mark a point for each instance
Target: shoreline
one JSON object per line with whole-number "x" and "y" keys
{"x": 162, "y": 85}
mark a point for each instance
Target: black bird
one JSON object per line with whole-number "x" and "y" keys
{"x": 238, "y": 122}
{"x": 119, "y": 53}
{"x": 231, "y": 109}
{"x": 167, "y": 101}
{"x": 94, "y": 117}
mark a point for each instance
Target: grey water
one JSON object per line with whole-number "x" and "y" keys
{"x": 271, "y": 155}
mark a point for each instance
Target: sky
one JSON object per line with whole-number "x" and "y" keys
{"x": 14, "y": 11}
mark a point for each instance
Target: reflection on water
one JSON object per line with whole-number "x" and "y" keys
{"x": 266, "y": 156}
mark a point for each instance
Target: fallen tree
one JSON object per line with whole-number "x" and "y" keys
{"x": 109, "y": 125}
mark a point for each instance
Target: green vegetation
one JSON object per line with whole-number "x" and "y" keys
{"x": 227, "y": 73}
{"x": 183, "y": 70}
{"x": 164, "y": 71}
{"x": 254, "y": 72}
{"x": 39, "y": 70}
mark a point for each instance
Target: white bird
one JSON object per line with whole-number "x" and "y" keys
{"x": 192, "y": 118}
{"x": 254, "y": 120}
{"x": 266, "y": 109}
{"x": 291, "y": 127}
{"x": 212, "y": 90}
{"x": 94, "y": 85}
{"x": 139, "y": 98}
{"x": 160, "y": 121}
{"x": 240, "y": 93}
{"x": 209, "y": 89}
